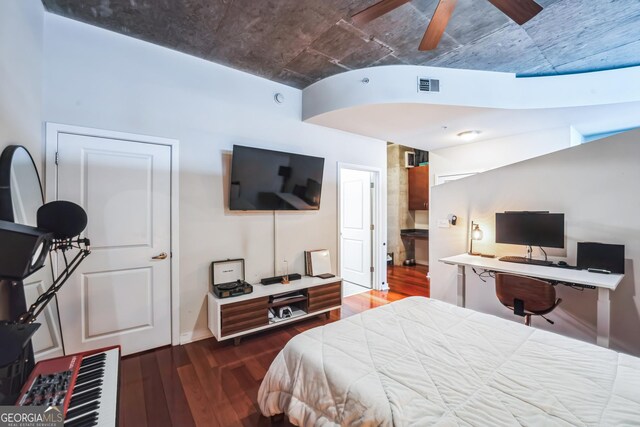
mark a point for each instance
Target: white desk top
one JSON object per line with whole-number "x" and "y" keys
{"x": 581, "y": 277}
{"x": 260, "y": 290}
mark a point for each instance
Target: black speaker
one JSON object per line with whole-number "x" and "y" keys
{"x": 601, "y": 256}
{"x": 23, "y": 250}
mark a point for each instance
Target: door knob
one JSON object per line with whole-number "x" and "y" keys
{"x": 162, "y": 255}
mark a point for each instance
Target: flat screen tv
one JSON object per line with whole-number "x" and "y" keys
{"x": 266, "y": 180}
{"x": 530, "y": 229}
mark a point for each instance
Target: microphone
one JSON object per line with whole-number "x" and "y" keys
{"x": 64, "y": 219}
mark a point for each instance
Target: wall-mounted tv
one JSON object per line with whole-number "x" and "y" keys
{"x": 266, "y": 180}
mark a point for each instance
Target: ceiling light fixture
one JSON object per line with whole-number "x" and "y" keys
{"x": 469, "y": 135}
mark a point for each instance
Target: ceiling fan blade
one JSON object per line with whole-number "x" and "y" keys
{"x": 520, "y": 11}
{"x": 377, "y": 10}
{"x": 438, "y": 24}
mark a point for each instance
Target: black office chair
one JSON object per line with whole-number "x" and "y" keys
{"x": 526, "y": 296}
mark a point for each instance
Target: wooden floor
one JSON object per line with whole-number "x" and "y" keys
{"x": 409, "y": 280}
{"x": 207, "y": 383}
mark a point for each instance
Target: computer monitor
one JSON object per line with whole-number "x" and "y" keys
{"x": 601, "y": 256}
{"x": 530, "y": 229}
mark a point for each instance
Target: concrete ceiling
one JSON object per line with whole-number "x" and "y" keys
{"x": 298, "y": 42}
{"x": 431, "y": 127}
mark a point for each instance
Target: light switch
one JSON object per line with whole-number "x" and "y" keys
{"x": 443, "y": 223}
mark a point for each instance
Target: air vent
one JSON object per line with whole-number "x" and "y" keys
{"x": 428, "y": 85}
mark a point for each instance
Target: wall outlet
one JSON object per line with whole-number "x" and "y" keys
{"x": 443, "y": 223}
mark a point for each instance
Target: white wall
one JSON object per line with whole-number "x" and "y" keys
{"x": 595, "y": 185}
{"x": 101, "y": 79}
{"x": 21, "y": 23}
{"x": 21, "y": 82}
{"x": 490, "y": 154}
{"x": 472, "y": 88}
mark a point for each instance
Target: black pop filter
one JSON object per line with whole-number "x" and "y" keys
{"x": 64, "y": 219}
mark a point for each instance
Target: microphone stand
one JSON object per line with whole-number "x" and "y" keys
{"x": 62, "y": 245}
{"x": 16, "y": 353}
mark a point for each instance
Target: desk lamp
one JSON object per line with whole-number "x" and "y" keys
{"x": 476, "y": 234}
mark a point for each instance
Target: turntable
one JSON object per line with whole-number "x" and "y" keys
{"x": 228, "y": 278}
{"x": 232, "y": 289}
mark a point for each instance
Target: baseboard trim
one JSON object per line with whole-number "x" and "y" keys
{"x": 192, "y": 336}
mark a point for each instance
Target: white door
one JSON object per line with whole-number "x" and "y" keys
{"x": 355, "y": 226}
{"x": 120, "y": 294}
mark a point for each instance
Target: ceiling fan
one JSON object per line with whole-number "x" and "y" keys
{"x": 520, "y": 11}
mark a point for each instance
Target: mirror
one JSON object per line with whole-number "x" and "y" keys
{"x": 21, "y": 183}
{"x": 20, "y": 198}
{"x": 25, "y": 190}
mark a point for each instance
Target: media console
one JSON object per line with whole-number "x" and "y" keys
{"x": 239, "y": 316}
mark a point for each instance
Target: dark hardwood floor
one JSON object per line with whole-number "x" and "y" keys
{"x": 207, "y": 383}
{"x": 409, "y": 280}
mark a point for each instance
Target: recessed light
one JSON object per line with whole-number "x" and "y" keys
{"x": 279, "y": 98}
{"x": 469, "y": 135}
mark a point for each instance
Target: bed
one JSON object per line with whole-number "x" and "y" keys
{"x": 419, "y": 362}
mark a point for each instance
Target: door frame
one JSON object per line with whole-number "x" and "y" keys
{"x": 52, "y": 130}
{"x": 379, "y": 208}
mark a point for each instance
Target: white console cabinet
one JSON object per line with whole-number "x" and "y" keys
{"x": 241, "y": 315}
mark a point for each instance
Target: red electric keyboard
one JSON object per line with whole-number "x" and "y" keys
{"x": 83, "y": 385}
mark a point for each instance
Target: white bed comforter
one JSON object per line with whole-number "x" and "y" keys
{"x": 421, "y": 362}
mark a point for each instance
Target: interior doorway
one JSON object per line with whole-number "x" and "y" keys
{"x": 358, "y": 204}
{"x": 407, "y": 224}
{"x": 122, "y": 294}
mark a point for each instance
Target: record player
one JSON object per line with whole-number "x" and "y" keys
{"x": 228, "y": 278}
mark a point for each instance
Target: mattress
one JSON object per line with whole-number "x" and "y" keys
{"x": 419, "y": 362}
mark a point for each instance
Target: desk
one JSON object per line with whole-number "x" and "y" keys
{"x": 604, "y": 283}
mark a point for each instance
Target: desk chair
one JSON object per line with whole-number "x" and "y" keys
{"x": 526, "y": 296}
